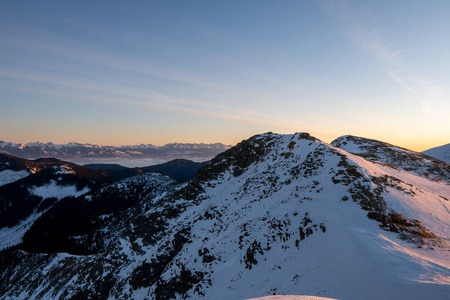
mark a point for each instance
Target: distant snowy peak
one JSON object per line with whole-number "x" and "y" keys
{"x": 78, "y": 150}
{"x": 139, "y": 147}
{"x": 9, "y": 144}
{"x": 196, "y": 146}
{"x": 39, "y": 144}
{"x": 441, "y": 153}
{"x": 398, "y": 157}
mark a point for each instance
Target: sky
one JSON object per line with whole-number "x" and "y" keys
{"x": 156, "y": 72}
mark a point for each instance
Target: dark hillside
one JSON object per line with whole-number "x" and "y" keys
{"x": 88, "y": 224}
{"x": 181, "y": 170}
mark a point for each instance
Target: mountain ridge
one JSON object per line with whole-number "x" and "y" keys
{"x": 388, "y": 154}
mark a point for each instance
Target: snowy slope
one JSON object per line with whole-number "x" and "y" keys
{"x": 276, "y": 214}
{"x": 7, "y": 176}
{"x": 441, "y": 153}
{"x": 12, "y": 235}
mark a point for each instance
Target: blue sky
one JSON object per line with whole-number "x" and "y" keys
{"x": 121, "y": 73}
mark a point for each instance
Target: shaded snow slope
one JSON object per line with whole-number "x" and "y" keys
{"x": 276, "y": 214}
{"x": 12, "y": 236}
{"x": 7, "y": 176}
{"x": 441, "y": 153}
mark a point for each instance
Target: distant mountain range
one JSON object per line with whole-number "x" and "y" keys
{"x": 74, "y": 151}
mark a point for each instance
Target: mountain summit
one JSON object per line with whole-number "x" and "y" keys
{"x": 276, "y": 214}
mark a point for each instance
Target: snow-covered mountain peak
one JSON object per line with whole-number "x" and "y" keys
{"x": 252, "y": 150}
{"x": 140, "y": 147}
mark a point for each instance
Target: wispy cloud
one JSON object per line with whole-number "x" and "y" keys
{"x": 365, "y": 30}
{"x": 431, "y": 96}
{"x": 223, "y": 97}
{"x": 139, "y": 98}
{"x": 70, "y": 50}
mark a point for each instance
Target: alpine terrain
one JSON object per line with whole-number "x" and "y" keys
{"x": 273, "y": 215}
